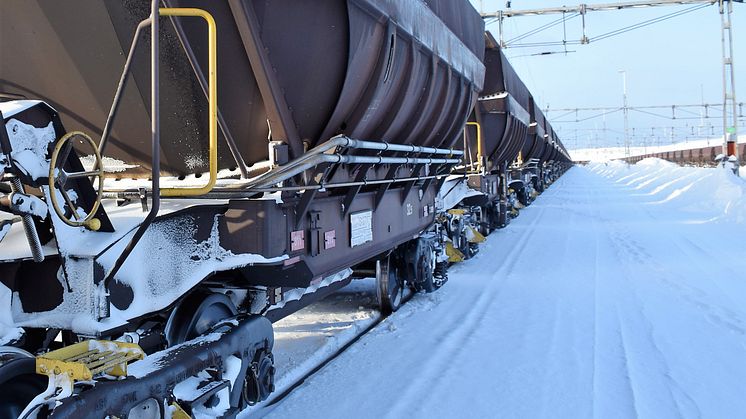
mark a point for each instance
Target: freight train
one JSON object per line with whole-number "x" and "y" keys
{"x": 701, "y": 156}
{"x": 176, "y": 175}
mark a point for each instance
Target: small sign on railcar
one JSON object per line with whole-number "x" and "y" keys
{"x": 361, "y": 228}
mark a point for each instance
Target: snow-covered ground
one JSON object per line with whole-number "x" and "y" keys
{"x": 618, "y": 293}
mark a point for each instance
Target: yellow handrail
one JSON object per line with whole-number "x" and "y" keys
{"x": 212, "y": 99}
{"x": 480, "y": 144}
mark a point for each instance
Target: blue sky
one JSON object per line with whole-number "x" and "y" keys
{"x": 677, "y": 61}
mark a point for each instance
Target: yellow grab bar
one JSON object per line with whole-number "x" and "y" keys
{"x": 212, "y": 100}
{"x": 480, "y": 144}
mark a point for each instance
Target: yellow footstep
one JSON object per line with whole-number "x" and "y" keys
{"x": 86, "y": 360}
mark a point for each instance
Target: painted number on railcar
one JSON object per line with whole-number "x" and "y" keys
{"x": 361, "y": 228}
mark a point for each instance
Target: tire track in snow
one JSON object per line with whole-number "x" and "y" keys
{"x": 569, "y": 355}
{"x": 596, "y": 314}
{"x": 612, "y": 392}
{"x": 461, "y": 328}
{"x": 629, "y": 333}
{"x": 629, "y": 376}
{"x": 466, "y": 327}
{"x": 638, "y": 332}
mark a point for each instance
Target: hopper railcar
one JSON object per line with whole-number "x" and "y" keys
{"x": 511, "y": 155}
{"x": 702, "y": 156}
{"x": 256, "y": 156}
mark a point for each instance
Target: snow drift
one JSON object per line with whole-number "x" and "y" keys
{"x": 693, "y": 193}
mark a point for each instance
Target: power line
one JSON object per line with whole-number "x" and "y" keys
{"x": 541, "y": 28}
{"x": 606, "y": 108}
{"x": 730, "y": 118}
{"x": 648, "y": 22}
{"x": 584, "y": 8}
{"x": 587, "y": 40}
{"x": 584, "y": 40}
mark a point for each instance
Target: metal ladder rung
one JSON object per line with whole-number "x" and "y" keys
{"x": 116, "y": 361}
{"x": 81, "y": 356}
{"x": 97, "y": 363}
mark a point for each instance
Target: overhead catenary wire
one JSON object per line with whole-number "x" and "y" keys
{"x": 648, "y": 22}
{"x": 736, "y": 109}
{"x": 542, "y": 28}
{"x": 512, "y": 43}
{"x": 589, "y": 117}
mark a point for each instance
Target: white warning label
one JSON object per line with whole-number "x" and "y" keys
{"x": 361, "y": 228}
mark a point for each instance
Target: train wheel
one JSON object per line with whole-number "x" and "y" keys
{"x": 421, "y": 261}
{"x": 426, "y": 267}
{"x": 389, "y": 284}
{"x": 487, "y": 223}
{"x": 19, "y": 383}
{"x": 524, "y": 197}
{"x": 540, "y": 185}
{"x": 503, "y": 214}
{"x": 197, "y": 314}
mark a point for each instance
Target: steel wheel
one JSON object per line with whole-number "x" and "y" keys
{"x": 420, "y": 259}
{"x": 523, "y": 197}
{"x": 426, "y": 268}
{"x": 197, "y": 314}
{"x": 19, "y": 383}
{"x": 390, "y": 285}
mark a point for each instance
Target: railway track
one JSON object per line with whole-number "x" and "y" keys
{"x": 286, "y": 385}
{"x": 281, "y": 396}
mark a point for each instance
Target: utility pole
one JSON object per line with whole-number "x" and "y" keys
{"x": 730, "y": 133}
{"x": 626, "y": 114}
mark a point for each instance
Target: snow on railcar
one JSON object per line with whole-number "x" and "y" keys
{"x": 204, "y": 210}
